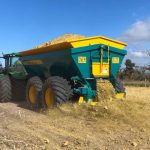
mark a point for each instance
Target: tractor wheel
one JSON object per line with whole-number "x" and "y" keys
{"x": 56, "y": 91}
{"x": 119, "y": 86}
{"x": 5, "y": 89}
{"x": 18, "y": 89}
{"x": 33, "y": 92}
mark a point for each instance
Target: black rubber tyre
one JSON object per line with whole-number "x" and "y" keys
{"x": 60, "y": 88}
{"x": 18, "y": 89}
{"x": 36, "y": 84}
{"x": 5, "y": 89}
{"x": 119, "y": 86}
{"x": 69, "y": 90}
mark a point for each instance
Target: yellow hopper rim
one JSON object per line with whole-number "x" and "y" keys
{"x": 76, "y": 44}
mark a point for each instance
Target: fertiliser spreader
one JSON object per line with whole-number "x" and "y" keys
{"x": 65, "y": 71}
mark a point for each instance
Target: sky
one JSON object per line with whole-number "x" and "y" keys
{"x": 27, "y": 23}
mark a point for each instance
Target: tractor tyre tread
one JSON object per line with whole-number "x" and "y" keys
{"x": 5, "y": 89}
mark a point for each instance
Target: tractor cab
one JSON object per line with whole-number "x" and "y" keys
{"x": 13, "y": 66}
{"x": 11, "y": 59}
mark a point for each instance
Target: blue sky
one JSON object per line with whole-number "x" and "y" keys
{"x": 28, "y": 23}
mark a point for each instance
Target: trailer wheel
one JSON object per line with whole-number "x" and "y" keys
{"x": 69, "y": 90}
{"x": 33, "y": 92}
{"x": 5, "y": 89}
{"x": 56, "y": 91}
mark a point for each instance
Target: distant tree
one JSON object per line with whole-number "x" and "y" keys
{"x": 137, "y": 75}
{"x": 121, "y": 74}
{"x": 129, "y": 70}
{"x": 132, "y": 72}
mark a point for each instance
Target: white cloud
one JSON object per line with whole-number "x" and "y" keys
{"x": 137, "y": 32}
{"x": 139, "y": 54}
{"x": 140, "y": 58}
{"x": 137, "y": 36}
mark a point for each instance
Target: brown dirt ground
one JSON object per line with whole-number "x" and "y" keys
{"x": 116, "y": 125}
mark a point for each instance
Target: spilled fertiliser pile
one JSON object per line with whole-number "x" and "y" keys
{"x": 105, "y": 90}
{"x": 127, "y": 110}
{"x": 115, "y": 110}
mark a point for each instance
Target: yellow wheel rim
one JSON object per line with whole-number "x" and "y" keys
{"x": 32, "y": 94}
{"x": 49, "y": 98}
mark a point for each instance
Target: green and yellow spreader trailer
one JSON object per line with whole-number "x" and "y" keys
{"x": 67, "y": 71}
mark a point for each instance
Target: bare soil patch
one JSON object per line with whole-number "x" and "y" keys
{"x": 115, "y": 125}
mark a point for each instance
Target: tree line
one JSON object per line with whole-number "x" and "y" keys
{"x": 133, "y": 72}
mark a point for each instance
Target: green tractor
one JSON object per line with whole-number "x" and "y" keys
{"x": 52, "y": 75}
{"x": 12, "y": 78}
{"x": 16, "y": 84}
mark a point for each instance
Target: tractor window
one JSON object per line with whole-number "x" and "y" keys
{"x": 15, "y": 61}
{"x": 16, "y": 65}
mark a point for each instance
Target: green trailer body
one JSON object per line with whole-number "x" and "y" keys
{"x": 66, "y": 64}
{"x": 53, "y": 73}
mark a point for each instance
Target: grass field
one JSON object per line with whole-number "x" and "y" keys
{"x": 115, "y": 125}
{"x": 137, "y": 83}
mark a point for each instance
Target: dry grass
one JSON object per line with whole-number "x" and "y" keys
{"x": 134, "y": 110}
{"x": 115, "y": 125}
{"x": 137, "y": 83}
